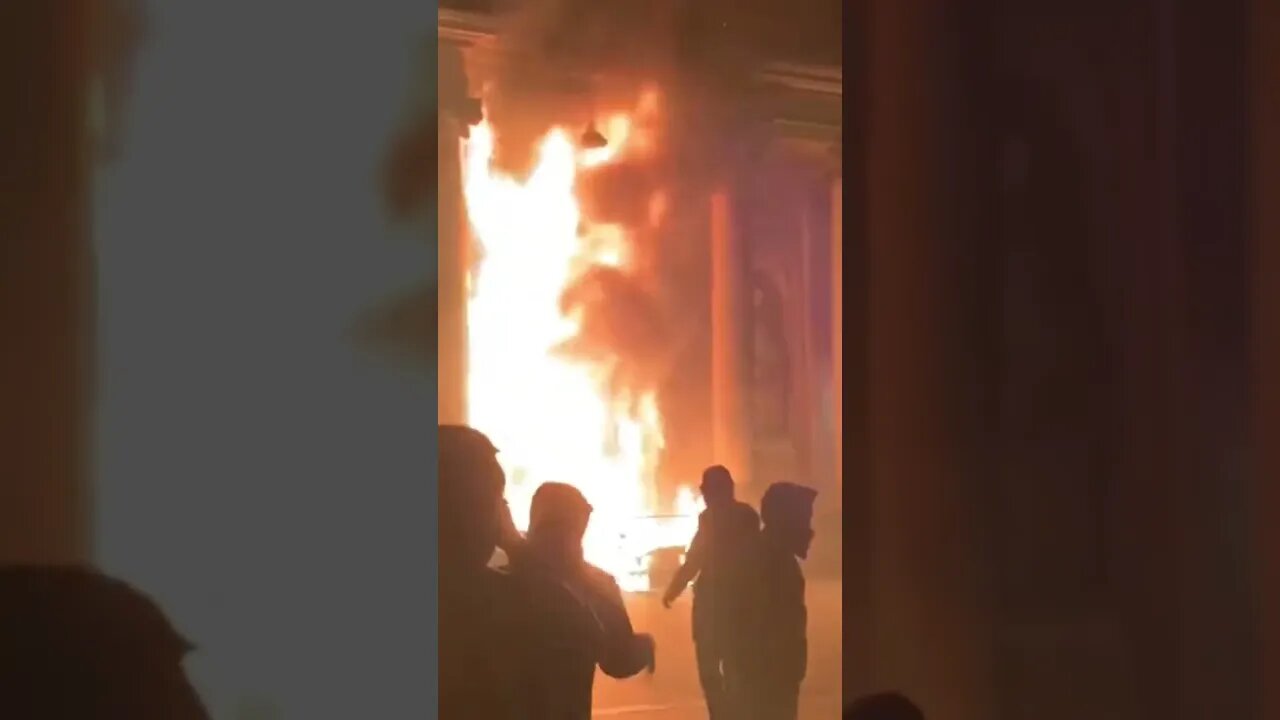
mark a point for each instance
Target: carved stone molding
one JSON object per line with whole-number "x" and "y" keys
{"x": 818, "y": 79}
{"x": 805, "y": 101}
{"x": 807, "y": 107}
{"x": 465, "y": 29}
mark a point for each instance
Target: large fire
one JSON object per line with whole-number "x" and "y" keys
{"x": 554, "y": 417}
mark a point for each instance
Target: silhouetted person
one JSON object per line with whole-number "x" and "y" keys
{"x": 477, "y": 604}
{"x": 884, "y": 706}
{"x": 77, "y": 644}
{"x": 717, "y": 558}
{"x": 574, "y": 618}
{"x": 775, "y": 652}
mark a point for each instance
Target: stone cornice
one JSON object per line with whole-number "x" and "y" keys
{"x": 805, "y": 100}
{"x": 464, "y": 28}
{"x": 805, "y": 78}
{"x": 469, "y": 29}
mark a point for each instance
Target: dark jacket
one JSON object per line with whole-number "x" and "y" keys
{"x": 777, "y": 643}
{"x": 571, "y": 623}
{"x": 476, "y": 620}
{"x": 724, "y": 543}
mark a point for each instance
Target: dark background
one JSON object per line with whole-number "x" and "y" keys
{"x": 1058, "y": 506}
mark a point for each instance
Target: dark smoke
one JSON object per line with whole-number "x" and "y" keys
{"x": 623, "y": 328}
{"x": 565, "y": 59}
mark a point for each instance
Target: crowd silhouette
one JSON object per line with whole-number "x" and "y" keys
{"x": 525, "y": 640}
{"x": 519, "y": 641}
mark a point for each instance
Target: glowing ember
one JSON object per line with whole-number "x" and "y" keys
{"x": 553, "y": 417}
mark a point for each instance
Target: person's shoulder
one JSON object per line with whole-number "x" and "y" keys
{"x": 790, "y": 570}
{"x": 746, "y": 512}
{"x": 601, "y": 579}
{"x": 498, "y": 575}
{"x": 498, "y": 585}
{"x": 779, "y": 560}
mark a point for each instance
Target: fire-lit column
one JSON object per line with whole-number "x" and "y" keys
{"x": 727, "y": 402}
{"x": 452, "y": 237}
{"x": 452, "y": 268}
{"x": 45, "y": 284}
{"x": 1266, "y": 488}
{"x": 930, "y": 627}
{"x": 837, "y": 330}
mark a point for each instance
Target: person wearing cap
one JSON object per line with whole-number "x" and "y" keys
{"x": 478, "y": 605}
{"x": 75, "y": 643}
{"x": 773, "y": 656}
{"x": 716, "y": 561}
{"x": 574, "y": 618}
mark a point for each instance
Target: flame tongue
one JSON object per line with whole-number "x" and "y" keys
{"x": 552, "y": 415}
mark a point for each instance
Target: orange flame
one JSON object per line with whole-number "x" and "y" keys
{"x": 553, "y": 417}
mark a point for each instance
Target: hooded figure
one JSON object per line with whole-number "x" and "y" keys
{"x": 574, "y": 618}
{"x": 772, "y": 657}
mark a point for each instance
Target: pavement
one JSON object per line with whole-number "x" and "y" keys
{"x": 672, "y": 692}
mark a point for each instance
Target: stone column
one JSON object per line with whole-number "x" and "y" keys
{"x": 837, "y": 329}
{"x": 806, "y": 403}
{"x": 453, "y": 237}
{"x": 930, "y": 628}
{"x": 45, "y": 283}
{"x": 1266, "y": 486}
{"x": 729, "y": 441}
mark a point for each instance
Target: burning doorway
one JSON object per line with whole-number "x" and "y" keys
{"x": 545, "y": 379}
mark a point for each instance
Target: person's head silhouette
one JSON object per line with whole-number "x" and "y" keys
{"x": 470, "y": 498}
{"x": 717, "y": 486}
{"x": 77, "y": 644}
{"x": 884, "y": 706}
{"x": 787, "y": 512}
{"x": 558, "y": 517}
